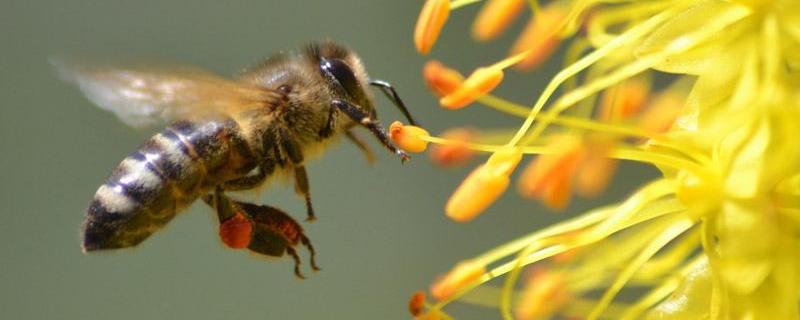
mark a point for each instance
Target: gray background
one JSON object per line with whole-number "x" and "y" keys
{"x": 381, "y": 233}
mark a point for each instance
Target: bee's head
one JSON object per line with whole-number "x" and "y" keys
{"x": 345, "y": 74}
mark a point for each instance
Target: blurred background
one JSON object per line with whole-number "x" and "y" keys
{"x": 381, "y": 233}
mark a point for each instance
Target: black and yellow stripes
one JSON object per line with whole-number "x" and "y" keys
{"x": 168, "y": 172}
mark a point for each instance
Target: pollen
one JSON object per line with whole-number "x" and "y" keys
{"x": 441, "y": 79}
{"x": 431, "y": 19}
{"x": 408, "y": 138}
{"x": 479, "y": 83}
{"x": 456, "y": 279}
{"x": 236, "y": 232}
{"x": 495, "y": 17}
{"x": 483, "y": 186}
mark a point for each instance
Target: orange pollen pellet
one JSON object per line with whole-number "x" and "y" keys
{"x": 480, "y": 82}
{"x": 431, "y": 19}
{"x": 455, "y": 153}
{"x": 461, "y": 275}
{"x": 540, "y": 37}
{"x": 417, "y": 303}
{"x": 441, "y": 79}
{"x": 408, "y": 138}
{"x": 495, "y": 17}
{"x": 236, "y": 231}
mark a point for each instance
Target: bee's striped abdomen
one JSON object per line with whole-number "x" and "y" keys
{"x": 167, "y": 173}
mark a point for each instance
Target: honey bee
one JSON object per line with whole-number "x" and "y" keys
{"x": 227, "y": 135}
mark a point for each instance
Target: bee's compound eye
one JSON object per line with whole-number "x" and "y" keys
{"x": 339, "y": 71}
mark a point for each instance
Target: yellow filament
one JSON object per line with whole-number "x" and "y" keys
{"x": 455, "y": 4}
{"x": 626, "y": 38}
{"x": 657, "y": 294}
{"x": 615, "y": 222}
{"x": 511, "y": 108}
{"x": 675, "y": 230}
{"x": 604, "y": 20}
{"x": 535, "y": 8}
{"x": 642, "y": 63}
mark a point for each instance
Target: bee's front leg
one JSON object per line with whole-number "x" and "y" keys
{"x": 361, "y": 117}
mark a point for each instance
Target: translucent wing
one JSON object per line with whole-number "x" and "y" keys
{"x": 141, "y": 96}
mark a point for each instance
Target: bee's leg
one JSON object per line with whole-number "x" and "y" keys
{"x": 390, "y": 93}
{"x": 304, "y": 240}
{"x": 221, "y": 204}
{"x": 235, "y": 225}
{"x": 296, "y": 259}
{"x": 275, "y": 232}
{"x": 361, "y": 145}
{"x": 302, "y": 188}
{"x": 362, "y": 117}
{"x": 292, "y": 150}
{"x": 327, "y": 130}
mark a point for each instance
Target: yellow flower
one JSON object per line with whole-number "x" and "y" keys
{"x": 717, "y": 236}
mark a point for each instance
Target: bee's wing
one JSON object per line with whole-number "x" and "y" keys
{"x": 140, "y": 96}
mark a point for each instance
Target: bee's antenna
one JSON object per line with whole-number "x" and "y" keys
{"x": 390, "y": 93}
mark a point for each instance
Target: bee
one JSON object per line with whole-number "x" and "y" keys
{"x": 227, "y": 135}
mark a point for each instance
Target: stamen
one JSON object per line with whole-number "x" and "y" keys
{"x": 483, "y": 186}
{"x": 495, "y": 17}
{"x": 480, "y": 82}
{"x": 408, "y": 138}
{"x": 431, "y": 19}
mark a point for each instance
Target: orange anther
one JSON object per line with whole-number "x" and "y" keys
{"x": 417, "y": 303}
{"x": 408, "y": 138}
{"x": 480, "y": 82}
{"x": 624, "y": 100}
{"x": 540, "y": 37}
{"x": 457, "y": 151}
{"x": 557, "y": 193}
{"x": 483, "y": 186}
{"x": 236, "y": 231}
{"x": 549, "y": 177}
{"x": 461, "y": 275}
{"x": 543, "y": 296}
{"x": 430, "y": 22}
{"x": 495, "y": 17}
{"x": 441, "y": 79}
{"x": 596, "y": 168}
{"x": 662, "y": 112}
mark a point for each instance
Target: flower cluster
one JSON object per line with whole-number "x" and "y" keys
{"x": 715, "y": 236}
